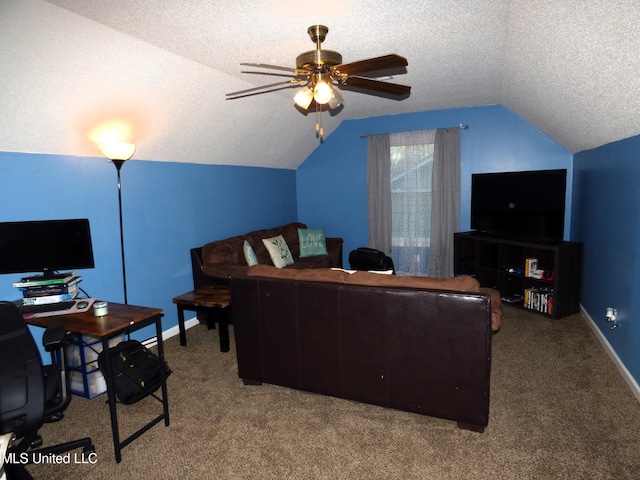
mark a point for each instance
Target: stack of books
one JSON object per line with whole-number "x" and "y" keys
{"x": 530, "y": 266}
{"x": 42, "y": 291}
{"x": 539, "y": 299}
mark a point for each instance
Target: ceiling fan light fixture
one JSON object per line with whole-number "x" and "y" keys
{"x": 322, "y": 92}
{"x": 336, "y": 99}
{"x": 320, "y": 72}
{"x": 304, "y": 97}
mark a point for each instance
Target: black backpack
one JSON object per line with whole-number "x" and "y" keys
{"x": 136, "y": 371}
{"x": 365, "y": 258}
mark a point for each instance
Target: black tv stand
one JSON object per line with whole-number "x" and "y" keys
{"x": 499, "y": 262}
{"x": 516, "y": 237}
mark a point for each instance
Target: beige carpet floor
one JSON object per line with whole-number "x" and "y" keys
{"x": 559, "y": 409}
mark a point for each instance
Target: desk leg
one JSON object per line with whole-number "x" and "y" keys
{"x": 111, "y": 396}
{"x": 165, "y": 397}
{"x": 183, "y": 333}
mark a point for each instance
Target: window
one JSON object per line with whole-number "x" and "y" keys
{"x": 411, "y": 173}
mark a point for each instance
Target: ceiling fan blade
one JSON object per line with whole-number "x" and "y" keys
{"x": 263, "y": 89}
{"x": 272, "y": 74}
{"x": 296, "y": 71}
{"x": 377, "y": 86}
{"x": 372, "y": 64}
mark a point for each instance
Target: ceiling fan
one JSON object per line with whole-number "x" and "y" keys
{"x": 319, "y": 72}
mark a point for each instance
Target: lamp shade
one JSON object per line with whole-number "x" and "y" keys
{"x": 322, "y": 92}
{"x": 336, "y": 99}
{"x": 303, "y": 98}
{"x": 117, "y": 150}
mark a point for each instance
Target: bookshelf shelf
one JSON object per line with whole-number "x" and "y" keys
{"x": 501, "y": 264}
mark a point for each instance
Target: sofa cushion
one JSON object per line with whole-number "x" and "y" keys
{"x": 496, "y": 307}
{"x": 222, "y": 251}
{"x": 321, "y": 261}
{"x": 312, "y": 242}
{"x": 306, "y": 275}
{"x": 278, "y": 251}
{"x": 372, "y": 279}
{"x": 458, "y": 284}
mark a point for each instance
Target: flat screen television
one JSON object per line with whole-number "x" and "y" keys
{"x": 524, "y": 205}
{"x": 45, "y": 246}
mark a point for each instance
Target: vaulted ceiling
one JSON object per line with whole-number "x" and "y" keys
{"x": 569, "y": 67}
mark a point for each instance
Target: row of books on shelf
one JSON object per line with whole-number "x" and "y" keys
{"x": 42, "y": 290}
{"x": 539, "y": 299}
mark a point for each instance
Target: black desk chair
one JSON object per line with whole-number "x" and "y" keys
{"x": 30, "y": 393}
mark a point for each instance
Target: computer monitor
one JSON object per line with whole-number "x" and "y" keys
{"x": 45, "y": 246}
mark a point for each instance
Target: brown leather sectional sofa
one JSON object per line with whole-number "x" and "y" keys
{"x": 216, "y": 262}
{"x": 412, "y": 343}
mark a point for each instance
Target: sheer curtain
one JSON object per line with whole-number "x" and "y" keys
{"x": 408, "y": 219}
{"x": 445, "y": 206}
{"x": 411, "y": 164}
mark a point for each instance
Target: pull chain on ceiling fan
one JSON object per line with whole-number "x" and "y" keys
{"x": 321, "y": 72}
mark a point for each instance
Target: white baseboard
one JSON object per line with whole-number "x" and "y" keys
{"x": 172, "y": 332}
{"x": 633, "y": 385}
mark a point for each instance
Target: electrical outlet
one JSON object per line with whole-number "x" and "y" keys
{"x": 612, "y": 314}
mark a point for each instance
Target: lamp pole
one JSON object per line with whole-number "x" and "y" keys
{"x": 118, "y": 164}
{"x": 118, "y": 153}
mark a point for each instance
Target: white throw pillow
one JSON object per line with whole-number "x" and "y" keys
{"x": 278, "y": 251}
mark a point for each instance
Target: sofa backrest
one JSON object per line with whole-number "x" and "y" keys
{"x": 371, "y": 279}
{"x": 289, "y": 233}
{"x": 460, "y": 283}
{"x": 229, "y": 250}
{"x": 425, "y": 351}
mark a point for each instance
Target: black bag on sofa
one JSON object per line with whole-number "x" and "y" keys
{"x": 365, "y": 258}
{"x": 136, "y": 371}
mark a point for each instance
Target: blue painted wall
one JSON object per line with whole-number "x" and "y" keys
{"x": 332, "y": 189}
{"x": 606, "y": 213}
{"x": 168, "y": 208}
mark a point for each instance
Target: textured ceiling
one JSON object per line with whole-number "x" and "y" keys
{"x": 569, "y": 67}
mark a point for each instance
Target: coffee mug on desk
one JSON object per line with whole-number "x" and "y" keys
{"x": 100, "y": 309}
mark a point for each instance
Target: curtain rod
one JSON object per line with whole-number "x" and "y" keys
{"x": 461, "y": 127}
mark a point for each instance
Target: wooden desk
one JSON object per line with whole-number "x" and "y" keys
{"x": 121, "y": 319}
{"x": 215, "y": 301}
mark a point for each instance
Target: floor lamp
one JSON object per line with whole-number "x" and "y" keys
{"x": 118, "y": 153}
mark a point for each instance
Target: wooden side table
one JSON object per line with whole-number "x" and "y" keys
{"x": 215, "y": 301}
